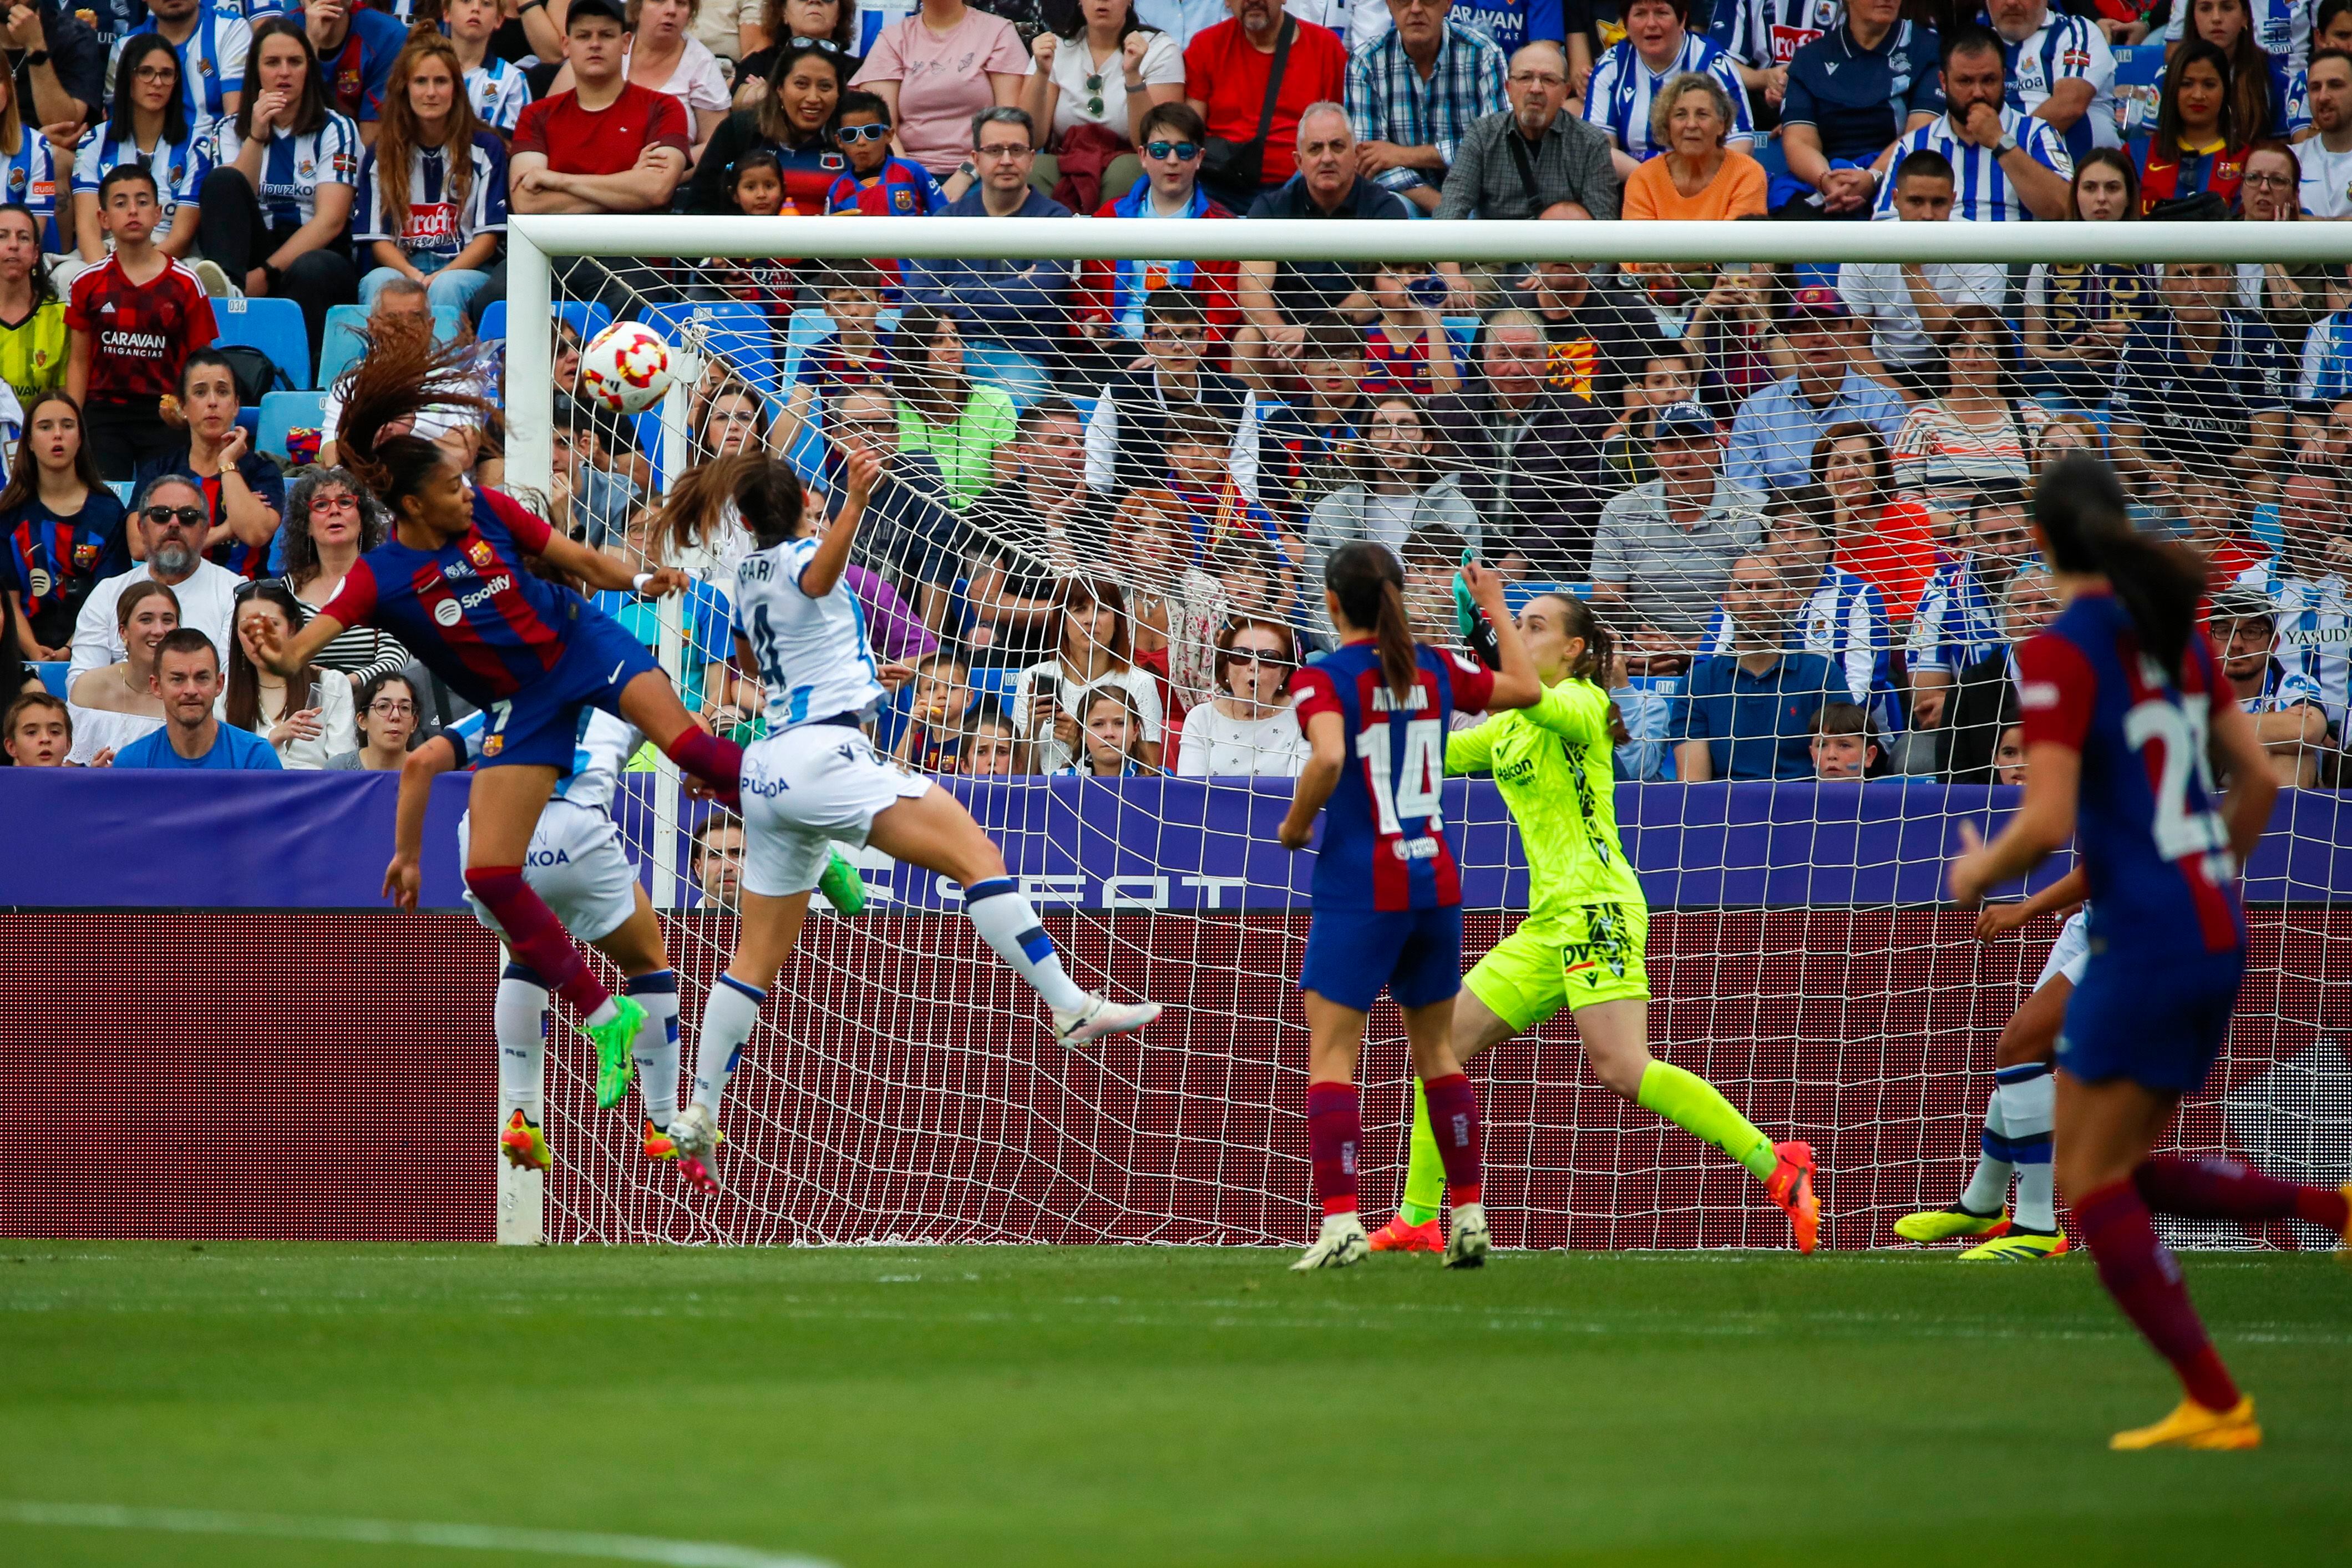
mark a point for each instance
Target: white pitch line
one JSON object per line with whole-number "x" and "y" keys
{"x": 397, "y": 1533}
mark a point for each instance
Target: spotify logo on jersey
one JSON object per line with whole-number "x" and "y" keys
{"x": 448, "y": 612}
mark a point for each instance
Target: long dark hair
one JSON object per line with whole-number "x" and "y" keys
{"x": 935, "y": 394}
{"x": 1966, "y": 319}
{"x": 2246, "y": 85}
{"x": 135, "y": 48}
{"x": 25, "y": 474}
{"x": 768, "y": 114}
{"x": 373, "y": 688}
{"x": 400, "y": 373}
{"x": 310, "y": 108}
{"x": 1599, "y": 655}
{"x": 1882, "y": 466}
{"x": 1078, "y": 590}
{"x": 766, "y": 491}
{"x": 2167, "y": 107}
{"x": 241, "y": 692}
{"x": 1369, "y": 582}
{"x": 2082, "y": 512}
{"x": 2113, "y": 158}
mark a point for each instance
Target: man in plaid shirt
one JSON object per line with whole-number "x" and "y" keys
{"x": 1413, "y": 92}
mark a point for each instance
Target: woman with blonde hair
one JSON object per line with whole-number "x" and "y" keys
{"x": 1696, "y": 176}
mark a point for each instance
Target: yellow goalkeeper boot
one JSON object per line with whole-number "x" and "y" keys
{"x": 524, "y": 1145}
{"x": 612, "y": 1038}
{"x": 659, "y": 1145}
{"x": 1929, "y": 1226}
{"x": 2193, "y": 1426}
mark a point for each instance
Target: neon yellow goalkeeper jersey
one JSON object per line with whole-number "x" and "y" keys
{"x": 1558, "y": 773}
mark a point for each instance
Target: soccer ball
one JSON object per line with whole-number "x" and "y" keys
{"x": 625, "y": 367}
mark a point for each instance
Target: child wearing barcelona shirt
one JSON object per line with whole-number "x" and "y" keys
{"x": 132, "y": 319}
{"x": 877, "y": 183}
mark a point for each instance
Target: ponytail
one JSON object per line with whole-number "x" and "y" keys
{"x": 1599, "y": 658}
{"x": 1369, "y": 582}
{"x": 2084, "y": 517}
{"x": 765, "y": 492}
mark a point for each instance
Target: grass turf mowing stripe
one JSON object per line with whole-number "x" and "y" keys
{"x": 399, "y": 1532}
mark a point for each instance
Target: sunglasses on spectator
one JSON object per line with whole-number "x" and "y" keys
{"x": 851, "y": 135}
{"x": 192, "y": 516}
{"x": 1265, "y": 657}
{"x": 1182, "y": 151}
{"x": 1095, "y": 95}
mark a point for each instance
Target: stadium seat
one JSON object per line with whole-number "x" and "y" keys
{"x": 448, "y": 324}
{"x": 273, "y": 326}
{"x": 123, "y": 489}
{"x": 53, "y": 674}
{"x": 734, "y": 330}
{"x": 993, "y": 682}
{"x": 283, "y": 411}
{"x": 587, "y": 316}
{"x": 1462, "y": 331}
{"x": 493, "y": 324}
{"x": 341, "y": 346}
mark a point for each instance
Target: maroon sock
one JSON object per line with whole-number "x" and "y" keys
{"x": 1453, "y": 1118}
{"x": 535, "y": 935}
{"x": 717, "y": 763}
{"x": 1335, "y": 1128}
{"x": 2140, "y": 1273}
{"x": 2224, "y": 1189}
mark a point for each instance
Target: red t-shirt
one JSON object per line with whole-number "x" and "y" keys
{"x": 139, "y": 332}
{"x": 1224, "y": 71}
{"x": 577, "y": 140}
{"x": 1896, "y": 558}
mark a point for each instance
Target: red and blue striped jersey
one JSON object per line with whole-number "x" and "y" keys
{"x": 470, "y": 609}
{"x": 897, "y": 190}
{"x": 1390, "y": 368}
{"x": 1384, "y": 837}
{"x": 2148, "y": 821}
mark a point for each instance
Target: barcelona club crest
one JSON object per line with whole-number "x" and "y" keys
{"x": 493, "y": 744}
{"x": 480, "y": 552}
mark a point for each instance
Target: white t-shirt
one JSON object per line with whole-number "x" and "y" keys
{"x": 1217, "y": 747}
{"x": 1032, "y": 723}
{"x": 1876, "y": 291}
{"x": 207, "y": 603}
{"x": 697, "y": 80}
{"x": 1074, "y": 62}
{"x": 812, "y": 656}
{"x": 337, "y": 732}
{"x": 2326, "y": 179}
{"x": 97, "y": 729}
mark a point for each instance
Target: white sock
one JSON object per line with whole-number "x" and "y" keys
{"x": 519, "y": 1017}
{"x": 1987, "y": 1188}
{"x": 728, "y": 1011}
{"x": 655, "y": 1047}
{"x": 1007, "y": 924}
{"x": 2029, "y": 1103}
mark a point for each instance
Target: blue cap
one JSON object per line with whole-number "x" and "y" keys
{"x": 1685, "y": 422}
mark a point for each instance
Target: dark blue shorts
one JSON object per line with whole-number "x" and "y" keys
{"x": 2160, "y": 1026}
{"x": 539, "y": 726}
{"x": 1351, "y": 953}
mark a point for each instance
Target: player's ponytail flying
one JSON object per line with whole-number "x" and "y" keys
{"x": 1599, "y": 655}
{"x": 401, "y": 374}
{"x": 2082, "y": 512}
{"x": 1369, "y": 582}
{"x": 765, "y": 492}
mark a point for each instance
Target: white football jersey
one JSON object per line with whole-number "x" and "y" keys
{"x": 812, "y": 656}
{"x": 602, "y": 752}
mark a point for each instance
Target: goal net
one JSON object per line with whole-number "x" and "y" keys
{"x": 1113, "y": 472}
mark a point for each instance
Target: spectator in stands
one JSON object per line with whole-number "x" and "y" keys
{"x": 718, "y": 859}
{"x": 934, "y": 732}
{"x": 2310, "y": 581}
{"x": 2210, "y": 515}
{"x": 36, "y": 731}
{"x": 1959, "y": 621}
{"x": 1882, "y": 536}
{"x": 1014, "y": 310}
{"x": 936, "y": 68}
{"x": 1250, "y": 727}
{"x": 879, "y": 183}
{"x": 1776, "y": 429}
{"x": 2289, "y": 712}
{"x": 2325, "y": 160}
{"x": 1090, "y": 91}
{"x": 1096, "y": 651}
{"x": 117, "y": 704}
{"x": 1199, "y": 447}
{"x": 169, "y": 515}
{"x": 1597, "y": 341}
{"x": 384, "y": 719}
{"x": 991, "y": 749}
{"x": 593, "y": 503}
{"x": 2289, "y": 296}
{"x": 58, "y": 64}
{"x": 2060, "y": 71}
{"x": 961, "y": 421}
{"x": 1126, "y": 435}
{"x": 1658, "y": 47}
{"x": 2199, "y": 150}
{"x": 496, "y": 88}
{"x": 1853, "y": 93}
{"x": 2077, "y": 313}
{"x": 188, "y": 680}
{"x": 1845, "y": 744}
{"x": 1698, "y": 175}
{"x": 2200, "y": 384}
{"x": 664, "y": 56}
{"x": 1110, "y": 738}
{"x": 704, "y": 616}
{"x": 1249, "y": 102}
{"x": 277, "y": 208}
{"x": 1530, "y": 444}
{"x": 1735, "y": 331}
{"x": 727, "y": 417}
{"x": 2010, "y": 166}
{"x": 1839, "y": 614}
{"x": 1280, "y": 300}
{"x": 61, "y": 529}
{"x": 1669, "y": 376}
{"x": 330, "y": 521}
{"x": 306, "y": 718}
{"x": 1664, "y": 550}
{"x": 432, "y": 194}
{"x": 1749, "y": 714}
{"x": 147, "y": 126}
{"x": 1759, "y": 36}
{"x": 32, "y": 315}
{"x": 1981, "y": 705}
{"x": 400, "y": 307}
{"x": 1981, "y": 431}
{"x": 354, "y": 46}
{"x": 132, "y": 319}
{"x": 1406, "y": 346}
{"x": 1909, "y": 305}
{"x": 1401, "y": 492}
{"x": 1313, "y": 445}
{"x": 2254, "y": 78}
{"x": 1031, "y": 530}
{"x": 910, "y": 526}
{"x": 244, "y": 493}
{"x": 1535, "y": 155}
{"x": 795, "y": 119}
{"x": 784, "y": 24}
{"x": 1413, "y": 94}
{"x": 852, "y": 355}
{"x": 1112, "y": 294}
{"x": 606, "y": 145}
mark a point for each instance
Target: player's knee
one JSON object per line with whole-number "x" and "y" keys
{"x": 1621, "y": 1074}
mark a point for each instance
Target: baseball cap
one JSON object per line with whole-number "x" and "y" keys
{"x": 1817, "y": 299}
{"x": 612, "y": 9}
{"x": 1685, "y": 422}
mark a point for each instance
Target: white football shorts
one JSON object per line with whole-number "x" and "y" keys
{"x": 576, "y": 863}
{"x": 804, "y": 789}
{"x": 2070, "y": 954}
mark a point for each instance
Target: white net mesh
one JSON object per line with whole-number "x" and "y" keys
{"x": 1184, "y": 440}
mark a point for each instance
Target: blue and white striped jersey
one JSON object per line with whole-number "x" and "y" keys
{"x": 2283, "y": 28}
{"x": 1761, "y": 34}
{"x": 2326, "y": 375}
{"x": 1983, "y": 192}
{"x": 1844, "y": 620}
{"x": 179, "y": 169}
{"x": 1958, "y": 620}
{"x": 2283, "y": 687}
{"x": 28, "y": 174}
{"x": 435, "y": 227}
{"x": 294, "y": 167}
{"x": 498, "y": 91}
{"x": 2067, "y": 48}
{"x": 212, "y": 62}
{"x": 2315, "y": 630}
{"x": 1618, "y": 97}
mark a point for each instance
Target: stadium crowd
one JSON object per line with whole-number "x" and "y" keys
{"x": 1796, "y": 493}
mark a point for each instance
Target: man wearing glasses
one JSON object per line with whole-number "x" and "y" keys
{"x": 1533, "y": 155}
{"x": 1014, "y": 304}
{"x": 170, "y": 516}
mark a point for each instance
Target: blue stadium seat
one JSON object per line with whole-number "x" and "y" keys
{"x": 284, "y": 411}
{"x": 587, "y": 316}
{"x": 1462, "y": 331}
{"x": 121, "y": 488}
{"x": 735, "y": 331}
{"x": 273, "y": 326}
{"x": 448, "y": 324}
{"x": 494, "y": 321}
{"x": 994, "y": 682}
{"x": 53, "y": 674}
{"x": 342, "y": 345}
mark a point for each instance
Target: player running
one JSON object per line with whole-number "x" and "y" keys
{"x": 1387, "y": 891}
{"x": 2024, "y": 1107}
{"x": 2128, "y": 719}
{"x": 1580, "y": 946}
{"x": 453, "y": 585}
{"x": 816, "y": 778}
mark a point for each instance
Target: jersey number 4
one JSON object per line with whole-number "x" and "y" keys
{"x": 1417, "y": 782}
{"x": 2178, "y": 737}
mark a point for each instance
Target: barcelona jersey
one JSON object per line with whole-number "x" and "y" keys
{"x": 1391, "y": 368}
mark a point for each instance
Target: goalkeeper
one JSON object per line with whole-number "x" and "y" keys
{"x": 1580, "y": 945}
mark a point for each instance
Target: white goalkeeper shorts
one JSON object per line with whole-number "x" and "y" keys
{"x": 576, "y": 863}
{"x": 802, "y": 790}
{"x": 2070, "y": 954}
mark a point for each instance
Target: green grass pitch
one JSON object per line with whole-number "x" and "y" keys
{"x": 985, "y": 1405}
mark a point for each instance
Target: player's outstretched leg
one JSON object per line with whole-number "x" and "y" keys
{"x": 651, "y": 703}
{"x": 2017, "y": 1138}
{"x": 520, "y": 1018}
{"x": 765, "y": 934}
{"x": 2028, "y": 1107}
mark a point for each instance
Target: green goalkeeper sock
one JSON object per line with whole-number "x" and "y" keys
{"x": 1424, "y": 1170}
{"x": 1692, "y": 1104}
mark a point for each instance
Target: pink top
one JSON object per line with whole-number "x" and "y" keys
{"x": 942, "y": 80}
